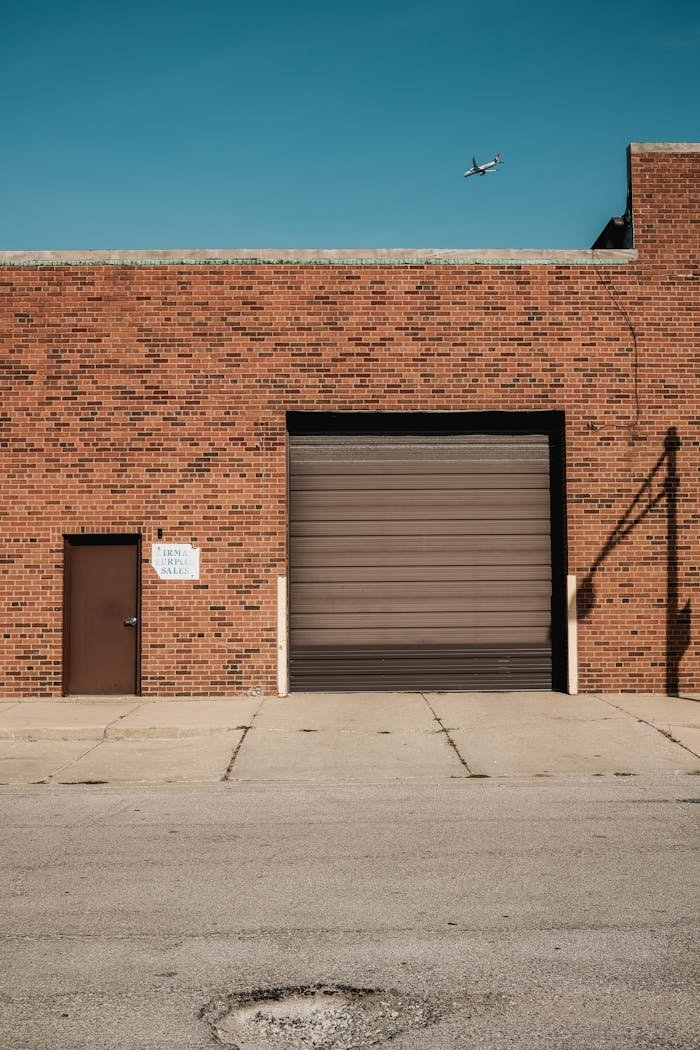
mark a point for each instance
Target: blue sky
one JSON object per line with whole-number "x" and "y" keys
{"x": 313, "y": 124}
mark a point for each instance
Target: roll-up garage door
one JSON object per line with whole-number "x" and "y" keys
{"x": 420, "y": 562}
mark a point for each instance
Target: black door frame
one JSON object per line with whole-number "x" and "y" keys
{"x": 552, "y": 423}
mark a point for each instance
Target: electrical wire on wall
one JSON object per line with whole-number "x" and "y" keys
{"x": 633, "y": 426}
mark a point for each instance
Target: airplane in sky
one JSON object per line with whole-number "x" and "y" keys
{"x": 482, "y": 169}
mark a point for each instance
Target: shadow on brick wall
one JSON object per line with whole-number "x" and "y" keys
{"x": 663, "y": 474}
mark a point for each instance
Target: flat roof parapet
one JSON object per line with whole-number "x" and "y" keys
{"x": 322, "y": 256}
{"x": 664, "y": 147}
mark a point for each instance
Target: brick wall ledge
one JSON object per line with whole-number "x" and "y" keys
{"x": 323, "y": 256}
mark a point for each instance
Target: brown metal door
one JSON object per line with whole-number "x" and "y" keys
{"x": 420, "y": 561}
{"x": 101, "y": 650}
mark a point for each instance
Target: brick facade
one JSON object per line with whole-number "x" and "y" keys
{"x": 151, "y": 394}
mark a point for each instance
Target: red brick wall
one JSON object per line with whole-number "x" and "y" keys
{"x": 139, "y": 397}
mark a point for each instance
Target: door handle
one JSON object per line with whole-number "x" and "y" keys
{"x": 131, "y": 621}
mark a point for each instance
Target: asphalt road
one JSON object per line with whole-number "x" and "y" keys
{"x": 493, "y": 914}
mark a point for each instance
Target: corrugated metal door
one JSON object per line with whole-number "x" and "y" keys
{"x": 420, "y": 562}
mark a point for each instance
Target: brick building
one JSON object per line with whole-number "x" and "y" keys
{"x": 387, "y": 463}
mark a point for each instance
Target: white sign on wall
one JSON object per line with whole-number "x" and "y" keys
{"x": 175, "y": 561}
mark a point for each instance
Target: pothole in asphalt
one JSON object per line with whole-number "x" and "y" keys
{"x": 314, "y": 1017}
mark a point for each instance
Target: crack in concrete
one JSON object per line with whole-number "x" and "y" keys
{"x": 663, "y": 732}
{"x": 443, "y": 729}
{"x": 227, "y": 772}
{"x": 62, "y": 769}
{"x": 95, "y": 745}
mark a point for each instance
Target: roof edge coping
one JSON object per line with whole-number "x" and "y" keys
{"x": 664, "y": 147}
{"x": 322, "y": 256}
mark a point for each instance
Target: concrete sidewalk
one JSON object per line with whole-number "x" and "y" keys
{"x": 353, "y": 737}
